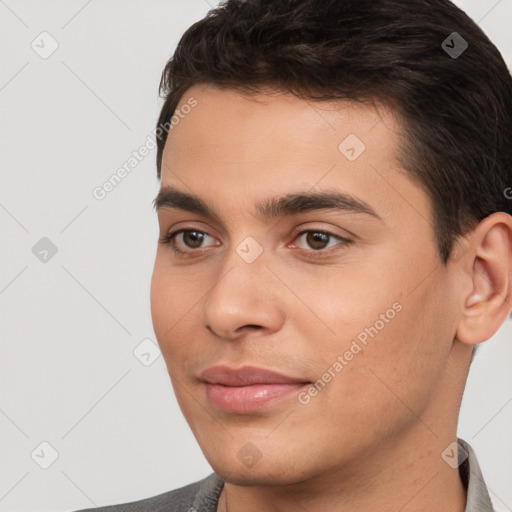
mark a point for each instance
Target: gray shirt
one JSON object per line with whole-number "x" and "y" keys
{"x": 203, "y": 496}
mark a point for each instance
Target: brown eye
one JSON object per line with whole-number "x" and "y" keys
{"x": 320, "y": 243}
{"x": 317, "y": 240}
{"x": 193, "y": 239}
{"x": 314, "y": 240}
{"x": 188, "y": 240}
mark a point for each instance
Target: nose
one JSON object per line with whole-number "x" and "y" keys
{"x": 244, "y": 299}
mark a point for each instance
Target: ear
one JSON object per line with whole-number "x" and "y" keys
{"x": 487, "y": 265}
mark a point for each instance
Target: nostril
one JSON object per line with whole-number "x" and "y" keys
{"x": 248, "y": 327}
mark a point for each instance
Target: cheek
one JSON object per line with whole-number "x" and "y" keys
{"x": 172, "y": 294}
{"x": 161, "y": 297}
{"x": 175, "y": 311}
{"x": 378, "y": 340}
{"x": 396, "y": 376}
{"x": 168, "y": 304}
{"x": 338, "y": 305}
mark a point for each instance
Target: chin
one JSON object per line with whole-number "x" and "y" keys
{"x": 247, "y": 480}
{"x": 264, "y": 472}
{"x": 253, "y": 477}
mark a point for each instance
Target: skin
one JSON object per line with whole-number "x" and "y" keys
{"x": 372, "y": 438}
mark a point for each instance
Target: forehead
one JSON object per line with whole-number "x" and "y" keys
{"x": 234, "y": 148}
{"x": 227, "y": 118}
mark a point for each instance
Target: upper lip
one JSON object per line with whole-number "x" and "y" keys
{"x": 246, "y": 376}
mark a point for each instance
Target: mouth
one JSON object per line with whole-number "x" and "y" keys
{"x": 248, "y": 389}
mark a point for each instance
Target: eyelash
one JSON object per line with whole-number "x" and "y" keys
{"x": 169, "y": 239}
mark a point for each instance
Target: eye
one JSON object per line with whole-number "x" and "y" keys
{"x": 314, "y": 241}
{"x": 317, "y": 241}
{"x": 186, "y": 240}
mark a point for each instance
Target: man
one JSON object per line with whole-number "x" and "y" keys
{"x": 335, "y": 239}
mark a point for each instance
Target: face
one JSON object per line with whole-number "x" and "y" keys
{"x": 291, "y": 241}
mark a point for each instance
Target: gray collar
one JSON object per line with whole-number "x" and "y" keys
{"x": 478, "y": 499}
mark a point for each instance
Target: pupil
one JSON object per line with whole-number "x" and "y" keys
{"x": 317, "y": 240}
{"x": 193, "y": 238}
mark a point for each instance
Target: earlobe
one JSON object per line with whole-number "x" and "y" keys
{"x": 489, "y": 302}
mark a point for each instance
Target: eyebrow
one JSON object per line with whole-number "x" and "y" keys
{"x": 289, "y": 204}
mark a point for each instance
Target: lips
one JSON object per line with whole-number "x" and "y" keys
{"x": 248, "y": 388}
{"x": 246, "y": 376}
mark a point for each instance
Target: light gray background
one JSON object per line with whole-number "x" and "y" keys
{"x": 70, "y": 325}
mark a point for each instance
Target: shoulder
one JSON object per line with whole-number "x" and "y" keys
{"x": 204, "y": 493}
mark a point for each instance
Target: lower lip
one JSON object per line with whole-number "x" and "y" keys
{"x": 249, "y": 398}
